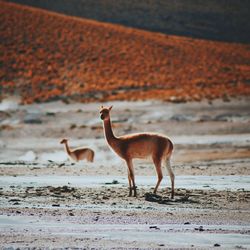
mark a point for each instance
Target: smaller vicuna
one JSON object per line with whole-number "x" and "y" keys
{"x": 78, "y": 154}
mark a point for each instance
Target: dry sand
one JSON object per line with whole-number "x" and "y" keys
{"x": 50, "y": 202}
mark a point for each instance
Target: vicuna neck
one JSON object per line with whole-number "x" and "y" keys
{"x": 109, "y": 132}
{"x": 67, "y": 148}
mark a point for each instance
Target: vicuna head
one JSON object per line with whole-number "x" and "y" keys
{"x": 64, "y": 141}
{"x": 105, "y": 112}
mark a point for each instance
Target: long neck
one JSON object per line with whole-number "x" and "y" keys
{"x": 67, "y": 148}
{"x": 109, "y": 132}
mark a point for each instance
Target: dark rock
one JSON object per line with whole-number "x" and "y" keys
{"x": 154, "y": 227}
{"x": 216, "y": 245}
{"x": 50, "y": 114}
{"x": 200, "y": 228}
{"x": 14, "y": 200}
{"x": 114, "y": 182}
{"x": 55, "y": 205}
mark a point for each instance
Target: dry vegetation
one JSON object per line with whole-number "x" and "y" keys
{"x": 46, "y": 56}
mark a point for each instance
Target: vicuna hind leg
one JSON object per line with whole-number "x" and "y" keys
{"x": 171, "y": 174}
{"x": 157, "y": 163}
{"x": 91, "y": 156}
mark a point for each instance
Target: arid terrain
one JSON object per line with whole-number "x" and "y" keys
{"x": 55, "y": 73}
{"x": 49, "y": 202}
{"x": 48, "y": 56}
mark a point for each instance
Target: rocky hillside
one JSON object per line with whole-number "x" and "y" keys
{"x": 47, "y": 56}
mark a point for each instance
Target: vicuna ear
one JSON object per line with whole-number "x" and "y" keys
{"x": 110, "y": 107}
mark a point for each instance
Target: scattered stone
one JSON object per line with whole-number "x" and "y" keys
{"x": 206, "y": 185}
{"x": 114, "y": 182}
{"x": 63, "y": 189}
{"x": 55, "y": 205}
{"x": 14, "y": 200}
{"x": 96, "y": 218}
{"x": 200, "y": 228}
{"x": 77, "y": 196}
{"x": 83, "y": 126}
{"x": 216, "y": 245}
{"x": 50, "y": 114}
{"x": 187, "y": 223}
{"x": 73, "y": 126}
{"x": 61, "y": 165}
{"x": 154, "y": 227}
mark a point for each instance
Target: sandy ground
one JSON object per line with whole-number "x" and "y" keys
{"x": 49, "y": 202}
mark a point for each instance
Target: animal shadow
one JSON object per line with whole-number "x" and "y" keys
{"x": 167, "y": 201}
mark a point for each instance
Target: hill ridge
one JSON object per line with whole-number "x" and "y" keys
{"x": 224, "y": 20}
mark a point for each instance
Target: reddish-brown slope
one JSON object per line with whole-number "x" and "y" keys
{"x": 46, "y": 56}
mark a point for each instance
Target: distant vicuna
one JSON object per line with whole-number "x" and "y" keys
{"x": 141, "y": 145}
{"x": 78, "y": 153}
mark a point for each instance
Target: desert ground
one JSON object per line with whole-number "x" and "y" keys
{"x": 195, "y": 91}
{"x": 48, "y": 201}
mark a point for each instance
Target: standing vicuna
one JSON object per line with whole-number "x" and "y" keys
{"x": 141, "y": 145}
{"x": 78, "y": 153}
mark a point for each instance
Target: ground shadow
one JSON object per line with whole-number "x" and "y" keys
{"x": 166, "y": 200}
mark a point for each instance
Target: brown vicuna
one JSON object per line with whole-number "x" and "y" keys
{"x": 141, "y": 145}
{"x": 78, "y": 153}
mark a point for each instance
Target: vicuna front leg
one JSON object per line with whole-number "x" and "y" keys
{"x": 131, "y": 178}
